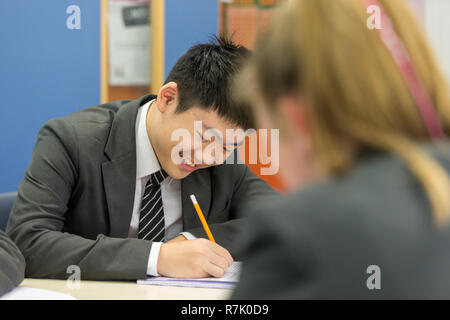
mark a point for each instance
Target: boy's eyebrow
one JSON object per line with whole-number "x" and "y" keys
{"x": 236, "y": 144}
{"x": 206, "y": 127}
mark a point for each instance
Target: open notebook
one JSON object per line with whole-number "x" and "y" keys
{"x": 227, "y": 281}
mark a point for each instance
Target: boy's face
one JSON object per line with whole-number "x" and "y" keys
{"x": 191, "y": 140}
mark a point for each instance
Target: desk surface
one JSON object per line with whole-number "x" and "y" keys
{"x": 126, "y": 290}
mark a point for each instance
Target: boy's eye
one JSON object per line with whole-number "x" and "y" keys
{"x": 228, "y": 149}
{"x": 210, "y": 140}
{"x": 203, "y": 138}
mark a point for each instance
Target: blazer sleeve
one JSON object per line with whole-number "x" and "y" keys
{"x": 248, "y": 191}
{"x": 37, "y": 219}
{"x": 12, "y": 264}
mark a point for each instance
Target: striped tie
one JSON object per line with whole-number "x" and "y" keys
{"x": 151, "y": 220}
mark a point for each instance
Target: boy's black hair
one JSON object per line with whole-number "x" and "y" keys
{"x": 204, "y": 76}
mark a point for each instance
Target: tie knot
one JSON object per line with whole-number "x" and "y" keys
{"x": 158, "y": 177}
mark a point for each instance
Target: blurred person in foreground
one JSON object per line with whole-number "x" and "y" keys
{"x": 370, "y": 110}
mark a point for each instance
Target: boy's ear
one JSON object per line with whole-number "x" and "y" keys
{"x": 167, "y": 96}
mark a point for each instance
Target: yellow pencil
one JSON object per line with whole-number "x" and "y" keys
{"x": 202, "y": 218}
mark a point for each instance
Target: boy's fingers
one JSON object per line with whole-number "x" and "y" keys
{"x": 213, "y": 270}
{"x": 219, "y": 261}
{"x": 221, "y": 251}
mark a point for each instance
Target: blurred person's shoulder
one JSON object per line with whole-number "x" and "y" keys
{"x": 326, "y": 236}
{"x": 379, "y": 193}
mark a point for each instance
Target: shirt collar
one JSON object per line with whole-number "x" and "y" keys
{"x": 146, "y": 160}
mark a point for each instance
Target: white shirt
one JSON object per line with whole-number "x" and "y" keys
{"x": 146, "y": 164}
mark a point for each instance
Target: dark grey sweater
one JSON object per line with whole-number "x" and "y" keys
{"x": 324, "y": 241}
{"x": 12, "y": 264}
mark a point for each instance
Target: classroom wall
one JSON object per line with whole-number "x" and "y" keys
{"x": 188, "y": 23}
{"x": 434, "y": 16}
{"x": 437, "y": 21}
{"x": 47, "y": 71}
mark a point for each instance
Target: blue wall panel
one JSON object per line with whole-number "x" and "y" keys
{"x": 46, "y": 71}
{"x": 188, "y": 23}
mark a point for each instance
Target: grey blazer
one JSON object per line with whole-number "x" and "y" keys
{"x": 12, "y": 264}
{"x": 321, "y": 242}
{"x": 75, "y": 202}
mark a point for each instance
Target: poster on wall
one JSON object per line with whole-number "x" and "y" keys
{"x": 129, "y": 42}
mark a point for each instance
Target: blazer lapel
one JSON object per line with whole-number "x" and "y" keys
{"x": 119, "y": 178}
{"x": 199, "y": 184}
{"x": 119, "y": 173}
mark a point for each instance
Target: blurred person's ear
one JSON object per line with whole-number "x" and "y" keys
{"x": 294, "y": 115}
{"x": 298, "y": 164}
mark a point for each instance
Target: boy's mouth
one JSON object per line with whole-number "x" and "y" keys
{"x": 187, "y": 164}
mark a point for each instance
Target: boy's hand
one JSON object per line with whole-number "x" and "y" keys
{"x": 196, "y": 258}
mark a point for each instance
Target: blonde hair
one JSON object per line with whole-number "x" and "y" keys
{"x": 355, "y": 93}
